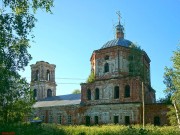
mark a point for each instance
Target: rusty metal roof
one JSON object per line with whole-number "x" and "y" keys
{"x": 62, "y": 100}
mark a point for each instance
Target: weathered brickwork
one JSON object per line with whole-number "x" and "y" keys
{"x": 156, "y": 114}
{"x": 104, "y": 113}
{"x": 117, "y": 75}
{"x": 113, "y": 97}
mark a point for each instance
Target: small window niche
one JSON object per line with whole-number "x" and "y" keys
{"x": 106, "y": 57}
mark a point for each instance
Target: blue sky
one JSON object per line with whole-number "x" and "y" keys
{"x": 76, "y": 28}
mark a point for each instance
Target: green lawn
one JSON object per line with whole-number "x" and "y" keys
{"x": 52, "y": 129}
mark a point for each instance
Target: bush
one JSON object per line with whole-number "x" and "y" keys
{"x": 54, "y": 129}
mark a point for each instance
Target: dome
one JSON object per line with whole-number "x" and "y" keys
{"x": 117, "y": 42}
{"x": 119, "y": 28}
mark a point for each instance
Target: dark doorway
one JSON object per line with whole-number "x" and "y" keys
{"x": 157, "y": 121}
{"x": 116, "y": 119}
{"x": 127, "y": 120}
{"x": 88, "y": 120}
{"x": 49, "y": 93}
{"x": 96, "y": 120}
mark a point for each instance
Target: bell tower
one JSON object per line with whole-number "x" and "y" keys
{"x": 43, "y": 80}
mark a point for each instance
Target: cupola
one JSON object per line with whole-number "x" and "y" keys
{"x": 119, "y": 29}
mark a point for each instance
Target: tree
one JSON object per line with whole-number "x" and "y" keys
{"x": 165, "y": 100}
{"x": 76, "y": 91}
{"x": 16, "y": 23}
{"x": 91, "y": 78}
{"x": 172, "y": 82}
{"x": 136, "y": 63}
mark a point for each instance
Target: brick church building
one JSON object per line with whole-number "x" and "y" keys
{"x": 114, "y": 96}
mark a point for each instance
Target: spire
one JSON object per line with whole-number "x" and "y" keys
{"x": 119, "y": 27}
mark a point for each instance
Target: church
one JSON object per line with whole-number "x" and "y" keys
{"x": 115, "y": 95}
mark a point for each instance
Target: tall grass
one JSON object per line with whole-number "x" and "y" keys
{"x": 53, "y": 129}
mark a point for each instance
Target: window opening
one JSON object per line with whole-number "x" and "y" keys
{"x": 116, "y": 92}
{"x": 88, "y": 94}
{"x": 69, "y": 119}
{"x": 157, "y": 121}
{"x": 106, "y": 57}
{"x": 96, "y": 121}
{"x": 48, "y": 75}
{"x": 35, "y": 93}
{"x": 116, "y": 119}
{"x": 37, "y": 75}
{"x": 127, "y": 91}
{"x": 127, "y": 120}
{"x": 96, "y": 94}
{"x": 50, "y": 119}
{"x": 106, "y": 67}
{"x": 60, "y": 119}
{"x": 88, "y": 120}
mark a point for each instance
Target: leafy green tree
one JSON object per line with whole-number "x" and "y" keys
{"x": 136, "y": 65}
{"x": 172, "y": 82}
{"x": 165, "y": 100}
{"x": 91, "y": 78}
{"x": 16, "y": 23}
{"x": 76, "y": 91}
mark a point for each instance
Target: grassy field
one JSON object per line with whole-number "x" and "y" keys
{"x": 52, "y": 129}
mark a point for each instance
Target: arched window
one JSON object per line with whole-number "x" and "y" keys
{"x": 106, "y": 57}
{"x": 96, "y": 94}
{"x": 34, "y": 93}
{"x": 157, "y": 121}
{"x": 116, "y": 92}
{"x": 88, "y": 94}
{"x": 37, "y": 75}
{"x": 48, "y": 75}
{"x": 49, "y": 93}
{"x": 127, "y": 91}
{"x": 106, "y": 67}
